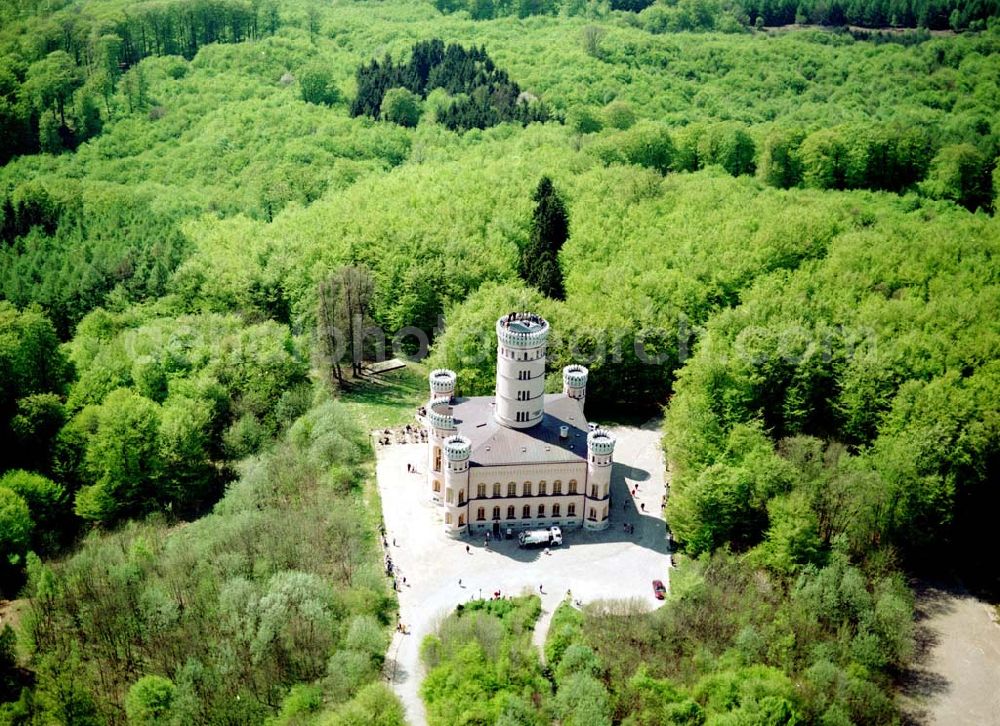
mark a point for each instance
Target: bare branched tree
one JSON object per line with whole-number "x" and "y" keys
{"x": 343, "y": 315}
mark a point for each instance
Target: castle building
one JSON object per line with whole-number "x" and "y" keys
{"x": 521, "y": 459}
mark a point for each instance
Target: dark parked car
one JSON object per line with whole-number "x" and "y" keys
{"x": 659, "y": 590}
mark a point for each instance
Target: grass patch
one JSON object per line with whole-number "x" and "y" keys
{"x": 389, "y": 399}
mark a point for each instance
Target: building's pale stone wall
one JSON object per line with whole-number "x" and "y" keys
{"x": 489, "y": 479}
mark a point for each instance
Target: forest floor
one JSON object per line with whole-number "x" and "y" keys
{"x": 956, "y": 681}
{"x": 441, "y": 574}
{"x": 11, "y": 612}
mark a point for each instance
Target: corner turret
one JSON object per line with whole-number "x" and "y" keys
{"x": 575, "y": 382}
{"x": 596, "y": 502}
{"x": 442, "y": 383}
{"x": 457, "y": 450}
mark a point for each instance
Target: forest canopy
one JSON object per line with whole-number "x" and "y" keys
{"x": 774, "y": 230}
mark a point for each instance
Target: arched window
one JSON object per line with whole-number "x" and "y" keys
{"x": 447, "y": 517}
{"x": 526, "y": 489}
{"x": 593, "y": 515}
{"x": 511, "y": 489}
{"x": 557, "y": 486}
{"x": 481, "y": 491}
{"x": 437, "y": 485}
{"x": 496, "y": 512}
{"x": 541, "y": 510}
{"x": 461, "y": 497}
{"x": 481, "y": 514}
{"x": 542, "y": 488}
{"x": 570, "y": 510}
{"x": 572, "y": 486}
{"x": 496, "y": 489}
{"x": 593, "y": 491}
{"x": 510, "y": 512}
{"x": 449, "y": 495}
{"x": 555, "y": 510}
{"x": 461, "y": 520}
{"x": 526, "y": 512}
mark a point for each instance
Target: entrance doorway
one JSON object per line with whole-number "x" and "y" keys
{"x": 496, "y": 528}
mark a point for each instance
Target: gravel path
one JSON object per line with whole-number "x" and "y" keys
{"x": 440, "y": 573}
{"x": 957, "y": 679}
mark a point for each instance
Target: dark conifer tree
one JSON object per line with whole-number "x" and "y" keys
{"x": 549, "y": 230}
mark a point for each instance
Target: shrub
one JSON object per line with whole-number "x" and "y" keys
{"x": 317, "y": 85}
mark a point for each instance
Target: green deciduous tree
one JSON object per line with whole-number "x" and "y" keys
{"x": 824, "y": 159}
{"x": 584, "y": 120}
{"x": 135, "y": 87}
{"x": 33, "y": 372}
{"x": 317, "y": 85}
{"x": 619, "y": 115}
{"x": 35, "y": 426}
{"x": 729, "y": 145}
{"x": 401, "y": 106}
{"x": 375, "y": 705}
{"x": 50, "y": 82}
{"x": 61, "y": 693}
{"x": 15, "y": 528}
{"x": 582, "y": 700}
{"x": 960, "y": 173}
{"x": 47, "y": 505}
{"x": 780, "y": 165}
{"x": 647, "y": 144}
{"x": 184, "y": 450}
{"x": 123, "y": 457}
{"x": 149, "y": 701}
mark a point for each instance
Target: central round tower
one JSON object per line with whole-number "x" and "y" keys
{"x": 520, "y": 393}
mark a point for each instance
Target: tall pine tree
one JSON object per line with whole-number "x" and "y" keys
{"x": 549, "y": 230}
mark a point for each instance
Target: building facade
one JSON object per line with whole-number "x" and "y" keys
{"x": 521, "y": 459}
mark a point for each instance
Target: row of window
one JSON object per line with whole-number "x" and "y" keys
{"x": 524, "y": 355}
{"x": 527, "y": 490}
{"x": 525, "y": 416}
{"x": 526, "y": 512}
